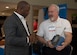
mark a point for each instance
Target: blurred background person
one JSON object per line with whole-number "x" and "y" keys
{"x": 35, "y": 25}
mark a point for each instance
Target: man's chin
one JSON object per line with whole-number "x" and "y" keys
{"x": 52, "y": 19}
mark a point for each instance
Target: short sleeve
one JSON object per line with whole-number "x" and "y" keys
{"x": 67, "y": 26}
{"x": 40, "y": 31}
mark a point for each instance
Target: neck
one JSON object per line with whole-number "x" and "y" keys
{"x": 53, "y": 20}
{"x": 20, "y": 13}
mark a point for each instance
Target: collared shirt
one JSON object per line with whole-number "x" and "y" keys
{"x": 48, "y": 29}
{"x": 24, "y": 24}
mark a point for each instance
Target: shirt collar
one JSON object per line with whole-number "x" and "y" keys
{"x": 20, "y": 16}
{"x": 56, "y": 20}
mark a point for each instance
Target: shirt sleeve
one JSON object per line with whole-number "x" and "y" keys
{"x": 67, "y": 27}
{"x": 40, "y": 31}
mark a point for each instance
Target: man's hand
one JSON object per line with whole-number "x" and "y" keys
{"x": 48, "y": 44}
{"x": 33, "y": 38}
{"x": 59, "y": 48}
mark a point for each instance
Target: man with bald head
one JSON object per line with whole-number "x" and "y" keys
{"x": 52, "y": 27}
{"x": 17, "y": 35}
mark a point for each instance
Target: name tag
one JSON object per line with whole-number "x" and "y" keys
{"x": 51, "y": 32}
{"x": 52, "y": 28}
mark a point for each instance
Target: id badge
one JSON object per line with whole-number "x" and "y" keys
{"x": 52, "y": 28}
{"x": 51, "y": 32}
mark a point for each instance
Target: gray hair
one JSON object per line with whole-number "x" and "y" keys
{"x": 56, "y": 6}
